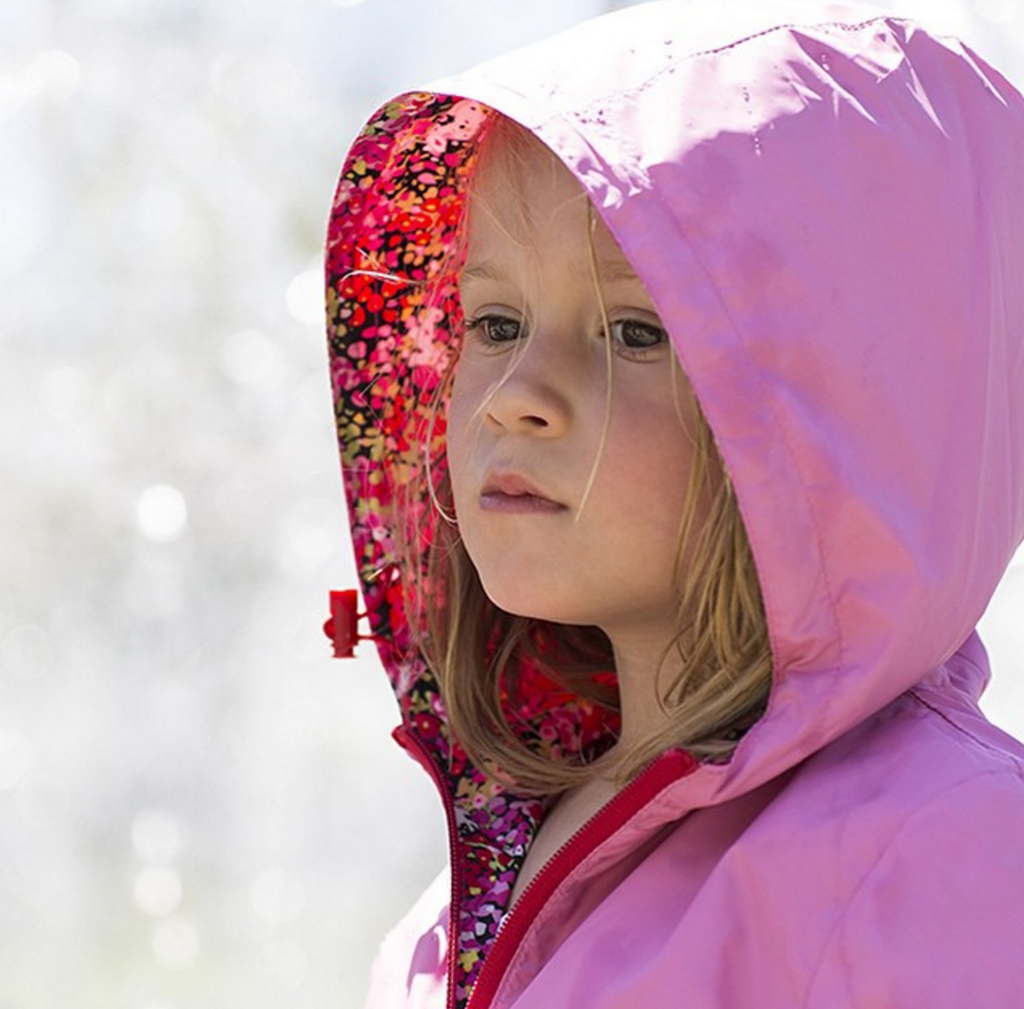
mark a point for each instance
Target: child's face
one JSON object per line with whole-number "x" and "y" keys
{"x": 532, "y": 420}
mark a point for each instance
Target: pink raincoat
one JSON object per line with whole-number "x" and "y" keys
{"x": 826, "y": 205}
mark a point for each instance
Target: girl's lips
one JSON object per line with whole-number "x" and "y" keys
{"x": 513, "y": 494}
{"x": 518, "y": 504}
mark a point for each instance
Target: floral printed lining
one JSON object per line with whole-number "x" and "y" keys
{"x": 396, "y": 211}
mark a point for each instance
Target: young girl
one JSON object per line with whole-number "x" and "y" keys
{"x": 679, "y": 369}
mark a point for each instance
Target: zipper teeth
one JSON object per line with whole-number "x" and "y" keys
{"x": 668, "y": 768}
{"x": 454, "y": 855}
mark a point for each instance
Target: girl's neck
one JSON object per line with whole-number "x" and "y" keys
{"x": 637, "y": 667}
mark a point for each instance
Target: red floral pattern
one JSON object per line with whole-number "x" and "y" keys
{"x": 396, "y": 213}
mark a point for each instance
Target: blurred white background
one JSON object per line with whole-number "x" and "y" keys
{"x": 198, "y": 808}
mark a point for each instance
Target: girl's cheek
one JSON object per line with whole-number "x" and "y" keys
{"x": 465, "y": 407}
{"x": 456, "y": 422}
{"x": 459, "y": 425}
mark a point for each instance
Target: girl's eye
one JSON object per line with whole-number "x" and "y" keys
{"x": 495, "y": 328}
{"x": 634, "y": 335}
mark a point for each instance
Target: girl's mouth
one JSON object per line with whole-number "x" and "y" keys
{"x": 511, "y": 493}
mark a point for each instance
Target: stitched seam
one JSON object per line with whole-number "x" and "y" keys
{"x": 649, "y": 81}
{"x": 841, "y": 25}
{"x": 961, "y": 731}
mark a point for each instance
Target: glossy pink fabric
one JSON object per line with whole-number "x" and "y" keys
{"x": 827, "y": 206}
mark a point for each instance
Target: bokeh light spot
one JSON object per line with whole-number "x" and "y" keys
{"x": 306, "y": 297}
{"x": 157, "y": 891}
{"x": 162, "y": 513}
{"x": 56, "y": 74}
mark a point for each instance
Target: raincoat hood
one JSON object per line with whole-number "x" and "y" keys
{"x": 826, "y": 208}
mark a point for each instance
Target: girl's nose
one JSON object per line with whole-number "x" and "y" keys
{"x": 533, "y": 397}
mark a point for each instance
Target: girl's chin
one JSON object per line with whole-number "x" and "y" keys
{"x": 534, "y": 608}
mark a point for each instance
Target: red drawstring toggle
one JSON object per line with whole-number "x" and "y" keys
{"x": 342, "y": 627}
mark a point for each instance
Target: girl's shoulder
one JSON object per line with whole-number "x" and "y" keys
{"x": 934, "y": 910}
{"x": 926, "y": 755}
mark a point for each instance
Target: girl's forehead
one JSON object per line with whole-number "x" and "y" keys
{"x": 523, "y": 199}
{"x": 521, "y": 186}
{"x": 497, "y": 262}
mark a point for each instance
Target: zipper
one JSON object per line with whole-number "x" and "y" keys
{"x": 425, "y": 758}
{"x": 666, "y": 770}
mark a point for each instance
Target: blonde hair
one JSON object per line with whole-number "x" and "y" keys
{"x": 479, "y": 652}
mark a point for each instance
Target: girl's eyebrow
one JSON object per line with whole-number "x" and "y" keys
{"x": 609, "y": 270}
{"x": 482, "y": 271}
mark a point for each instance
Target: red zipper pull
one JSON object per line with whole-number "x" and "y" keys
{"x": 342, "y": 626}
